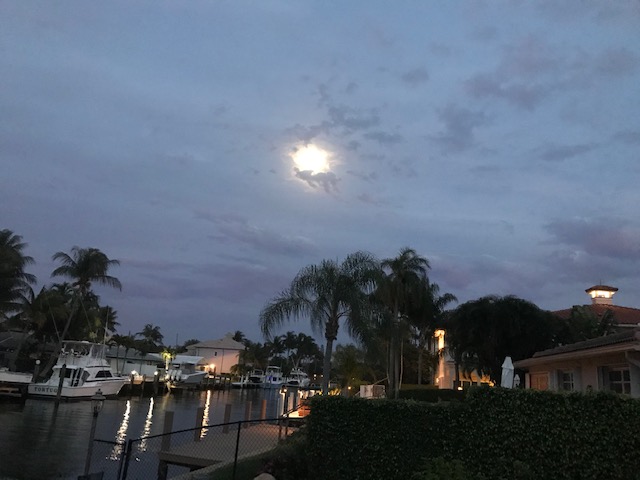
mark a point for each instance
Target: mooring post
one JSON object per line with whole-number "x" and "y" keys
{"x": 199, "y": 417}
{"x": 263, "y": 410}
{"x": 247, "y": 414}
{"x": 227, "y": 418}
{"x": 166, "y": 430}
{"x": 144, "y": 379}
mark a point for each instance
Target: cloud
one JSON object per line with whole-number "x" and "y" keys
{"x": 459, "y": 125}
{"x": 527, "y": 97}
{"x": 415, "y": 77}
{"x": 367, "y": 177}
{"x": 616, "y": 62}
{"x": 557, "y": 153}
{"x": 598, "y": 237}
{"x": 307, "y": 133}
{"x": 370, "y": 199}
{"x": 353, "y": 119}
{"x": 630, "y": 137}
{"x": 235, "y": 229}
{"x": 327, "y": 180}
{"x": 384, "y": 138}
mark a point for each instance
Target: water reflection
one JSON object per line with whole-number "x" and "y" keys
{"x": 146, "y": 431}
{"x": 205, "y": 415}
{"x": 121, "y": 433}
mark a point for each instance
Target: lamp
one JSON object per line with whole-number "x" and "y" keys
{"x": 97, "y": 401}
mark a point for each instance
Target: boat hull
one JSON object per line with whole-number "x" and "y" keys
{"x": 108, "y": 388}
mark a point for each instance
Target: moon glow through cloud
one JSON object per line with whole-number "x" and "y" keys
{"x": 311, "y": 159}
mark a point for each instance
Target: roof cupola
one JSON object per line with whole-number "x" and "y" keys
{"x": 601, "y": 294}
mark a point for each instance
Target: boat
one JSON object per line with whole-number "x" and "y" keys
{"x": 273, "y": 377}
{"x": 7, "y": 376}
{"x": 255, "y": 379}
{"x": 183, "y": 373}
{"x": 86, "y": 370}
{"x": 242, "y": 383}
{"x": 14, "y": 384}
{"x": 297, "y": 378}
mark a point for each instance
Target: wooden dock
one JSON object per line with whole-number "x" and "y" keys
{"x": 220, "y": 448}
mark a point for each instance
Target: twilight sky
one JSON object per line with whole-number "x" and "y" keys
{"x": 217, "y": 147}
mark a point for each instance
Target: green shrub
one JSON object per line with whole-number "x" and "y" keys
{"x": 441, "y": 469}
{"x": 494, "y": 434}
{"x": 432, "y": 395}
{"x": 289, "y": 460}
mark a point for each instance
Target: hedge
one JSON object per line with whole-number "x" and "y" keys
{"x": 432, "y": 395}
{"x": 493, "y": 434}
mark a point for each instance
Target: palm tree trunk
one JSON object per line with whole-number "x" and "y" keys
{"x": 401, "y": 368}
{"x": 391, "y": 367}
{"x": 326, "y": 366}
{"x": 52, "y": 360}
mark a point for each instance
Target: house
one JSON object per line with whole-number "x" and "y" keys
{"x": 610, "y": 362}
{"x": 445, "y": 375}
{"x": 218, "y": 355}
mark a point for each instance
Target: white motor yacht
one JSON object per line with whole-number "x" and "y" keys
{"x": 297, "y": 378}
{"x": 273, "y": 377}
{"x": 86, "y": 370}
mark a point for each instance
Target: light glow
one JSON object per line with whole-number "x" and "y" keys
{"x": 311, "y": 159}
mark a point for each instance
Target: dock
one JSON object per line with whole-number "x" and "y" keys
{"x": 220, "y": 448}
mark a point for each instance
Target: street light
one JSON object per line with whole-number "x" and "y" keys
{"x": 97, "y": 401}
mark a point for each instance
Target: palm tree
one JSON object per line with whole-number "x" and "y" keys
{"x": 349, "y": 365}
{"x": 14, "y": 281}
{"x": 83, "y": 266}
{"x": 424, "y": 315}
{"x": 327, "y": 293}
{"x": 239, "y": 336}
{"x": 151, "y": 336}
{"x": 399, "y": 287}
{"x": 126, "y": 341}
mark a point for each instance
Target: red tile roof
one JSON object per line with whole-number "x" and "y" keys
{"x": 631, "y": 335}
{"x": 621, "y": 315}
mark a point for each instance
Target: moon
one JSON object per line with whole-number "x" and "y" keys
{"x": 311, "y": 159}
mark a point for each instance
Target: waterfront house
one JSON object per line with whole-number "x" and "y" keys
{"x": 610, "y": 362}
{"x": 218, "y": 355}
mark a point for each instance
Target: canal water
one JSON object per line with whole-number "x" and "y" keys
{"x": 38, "y": 441}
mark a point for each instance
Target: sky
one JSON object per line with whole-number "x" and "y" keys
{"x": 215, "y": 148}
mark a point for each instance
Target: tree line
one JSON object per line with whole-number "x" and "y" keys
{"x": 388, "y": 306}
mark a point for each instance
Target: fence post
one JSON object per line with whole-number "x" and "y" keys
{"x": 227, "y": 417}
{"x": 235, "y": 456}
{"x": 198, "y": 431}
{"x": 127, "y": 454}
{"x": 247, "y": 414}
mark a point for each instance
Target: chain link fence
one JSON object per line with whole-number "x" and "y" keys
{"x": 188, "y": 454}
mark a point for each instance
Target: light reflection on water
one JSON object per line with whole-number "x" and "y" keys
{"x": 205, "y": 415}
{"x": 121, "y": 434}
{"x": 39, "y": 441}
{"x": 147, "y": 427}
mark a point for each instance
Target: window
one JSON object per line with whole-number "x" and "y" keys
{"x": 567, "y": 381}
{"x": 103, "y": 374}
{"x": 620, "y": 380}
{"x": 540, "y": 381}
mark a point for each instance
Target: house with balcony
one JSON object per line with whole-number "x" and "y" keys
{"x": 610, "y": 362}
{"x": 218, "y": 355}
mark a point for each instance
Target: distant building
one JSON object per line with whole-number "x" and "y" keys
{"x": 218, "y": 355}
{"x": 610, "y": 362}
{"x": 445, "y": 375}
